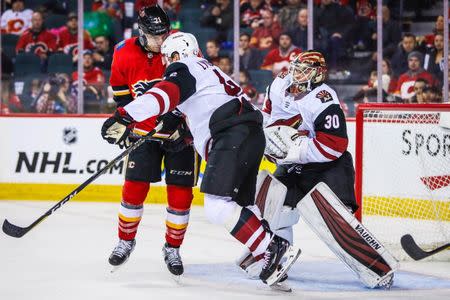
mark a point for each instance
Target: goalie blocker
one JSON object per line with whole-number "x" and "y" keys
{"x": 332, "y": 222}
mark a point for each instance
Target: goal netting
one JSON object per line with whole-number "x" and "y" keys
{"x": 403, "y": 173}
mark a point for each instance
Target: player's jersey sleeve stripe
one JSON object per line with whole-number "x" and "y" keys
{"x": 322, "y": 151}
{"x": 336, "y": 143}
{"x": 161, "y": 98}
{"x": 166, "y": 101}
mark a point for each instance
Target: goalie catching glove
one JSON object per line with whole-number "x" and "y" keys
{"x": 116, "y": 129}
{"x": 285, "y": 145}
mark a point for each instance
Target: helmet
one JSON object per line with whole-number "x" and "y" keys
{"x": 307, "y": 70}
{"x": 182, "y": 43}
{"x": 152, "y": 21}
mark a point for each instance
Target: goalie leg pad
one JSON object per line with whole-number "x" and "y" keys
{"x": 346, "y": 237}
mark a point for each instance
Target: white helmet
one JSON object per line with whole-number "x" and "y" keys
{"x": 183, "y": 43}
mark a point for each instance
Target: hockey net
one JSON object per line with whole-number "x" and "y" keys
{"x": 403, "y": 174}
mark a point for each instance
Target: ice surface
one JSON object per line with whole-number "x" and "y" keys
{"x": 65, "y": 257}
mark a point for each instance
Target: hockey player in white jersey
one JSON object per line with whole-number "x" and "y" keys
{"x": 306, "y": 136}
{"x": 227, "y": 132}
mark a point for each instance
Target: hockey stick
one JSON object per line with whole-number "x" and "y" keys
{"x": 413, "y": 250}
{"x": 17, "y": 231}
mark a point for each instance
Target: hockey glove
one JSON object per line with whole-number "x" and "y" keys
{"x": 285, "y": 145}
{"x": 116, "y": 129}
{"x": 174, "y": 134}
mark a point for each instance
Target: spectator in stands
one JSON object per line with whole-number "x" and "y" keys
{"x": 434, "y": 57}
{"x": 114, "y": 8}
{"x": 419, "y": 86}
{"x": 251, "y": 12}
{"x": 278, "y": 60}
{"x": 172, "y": 8}
{"x": 219, "y": 16}
{"x": 54, "y": 7}
{"x": 268, "y": 32}
{"x": 212, "y": 51}
{"x": 400, "y": 58}
{"x": 68, "y": 37}
{"x": 365, "y": 14}
{"x": 392, "y": 80}
{"x": 299, "y": 32}
{"x": 391, "y": 34}
{"x": 431, "y": 94}
{"x": 225, "y": 65}
{"x": 9, "y": 102}
{"x": 368, "y": 92}
{"x": 103, "y": 52}
{"x": 248, "y": 89}
{"x": 55, "y": 97}
{"x": 288, "y": 14}
{"x": 438, "y": 29}
{"x": 335, "y": 23}
{"x": 405, "y": 85}
{"x": 249, "y": 58}
{"x": 37, "y": 39}
{"x": 93, "y": 77}
{"x": 17, "y": 19}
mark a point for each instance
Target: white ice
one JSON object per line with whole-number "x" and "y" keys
{"x": 65, "y": 257}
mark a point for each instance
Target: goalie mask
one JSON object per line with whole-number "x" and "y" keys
{"x": 182, "y": 43}
{"x": 307, "y": 70}
{"x": 154, "y": 25}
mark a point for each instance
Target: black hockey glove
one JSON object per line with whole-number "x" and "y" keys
{"x": 181, "y": 139}
{"x": 116, "y": 129}
{"x": 174, "y": 134}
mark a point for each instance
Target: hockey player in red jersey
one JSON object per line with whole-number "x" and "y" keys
{"x": 137, "y": 65}
{"x": 227, "y": 132}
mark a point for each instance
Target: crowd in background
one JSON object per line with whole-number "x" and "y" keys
{"x": 40, "y": 47}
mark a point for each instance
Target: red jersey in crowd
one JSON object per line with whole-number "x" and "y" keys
{"x": 68, "y": 42}
{"x": 93, "y": 77}
{"x": 133, "y": 72}
{"x": 275, "y": 61}
{"x": 266, "y": 38}
{"x": 405, "y": 84}
{"x": 37, "y": 43}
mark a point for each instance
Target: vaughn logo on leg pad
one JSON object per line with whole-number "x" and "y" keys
{"x": 366, "y": 235}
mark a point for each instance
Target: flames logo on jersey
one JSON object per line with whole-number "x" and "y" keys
{"x": 140, "y": 87}
{"x": 324, "y": 96}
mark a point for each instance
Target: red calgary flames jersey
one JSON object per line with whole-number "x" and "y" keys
{"x": 133, "y": 72}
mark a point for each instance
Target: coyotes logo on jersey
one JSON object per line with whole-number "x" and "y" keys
{"x": 324, "y": 96}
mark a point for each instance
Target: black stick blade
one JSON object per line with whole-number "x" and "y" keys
{"x": 411, "y": 248}
{"x": 13, "y": 230}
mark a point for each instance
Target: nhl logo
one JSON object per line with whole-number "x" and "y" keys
{"x": 70, "y": 135}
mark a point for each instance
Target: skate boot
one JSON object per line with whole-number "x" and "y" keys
{"x": 274, "y": 252}
{"x": 122, "y": 252}
{"x": 172, "y": 259}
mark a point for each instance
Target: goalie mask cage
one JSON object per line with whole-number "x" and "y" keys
{"x": 403, "y": 173}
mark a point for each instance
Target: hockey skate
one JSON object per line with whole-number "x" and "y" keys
{"x": 272, "y": 272}
{"x": 173, "y": 261}
{"x": 121, "y": 253}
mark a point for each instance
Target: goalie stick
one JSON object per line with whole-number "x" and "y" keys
{"x": 17, "y": 231}
{"x": 412, "y": 249}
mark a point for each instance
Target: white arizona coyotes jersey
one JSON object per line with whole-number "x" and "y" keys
{"x": 16, "y": 22}
{"x": 195, "y": 87}
{"x": 316, "y": 114}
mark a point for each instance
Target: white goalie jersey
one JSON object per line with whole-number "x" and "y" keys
{"x": 317, "y": 114}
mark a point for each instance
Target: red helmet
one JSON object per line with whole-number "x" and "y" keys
{"x": 308, "y": 69}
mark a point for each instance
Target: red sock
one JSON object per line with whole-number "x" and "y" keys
{"x": 179, "y": 199}
{"x": 131, "y": 208}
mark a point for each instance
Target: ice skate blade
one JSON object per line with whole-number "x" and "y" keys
{"x": 116, "y": 268}
{"x": 281, "y": 287}
{"x": 291, "y": 256}
{"x": 177, "y": 278}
